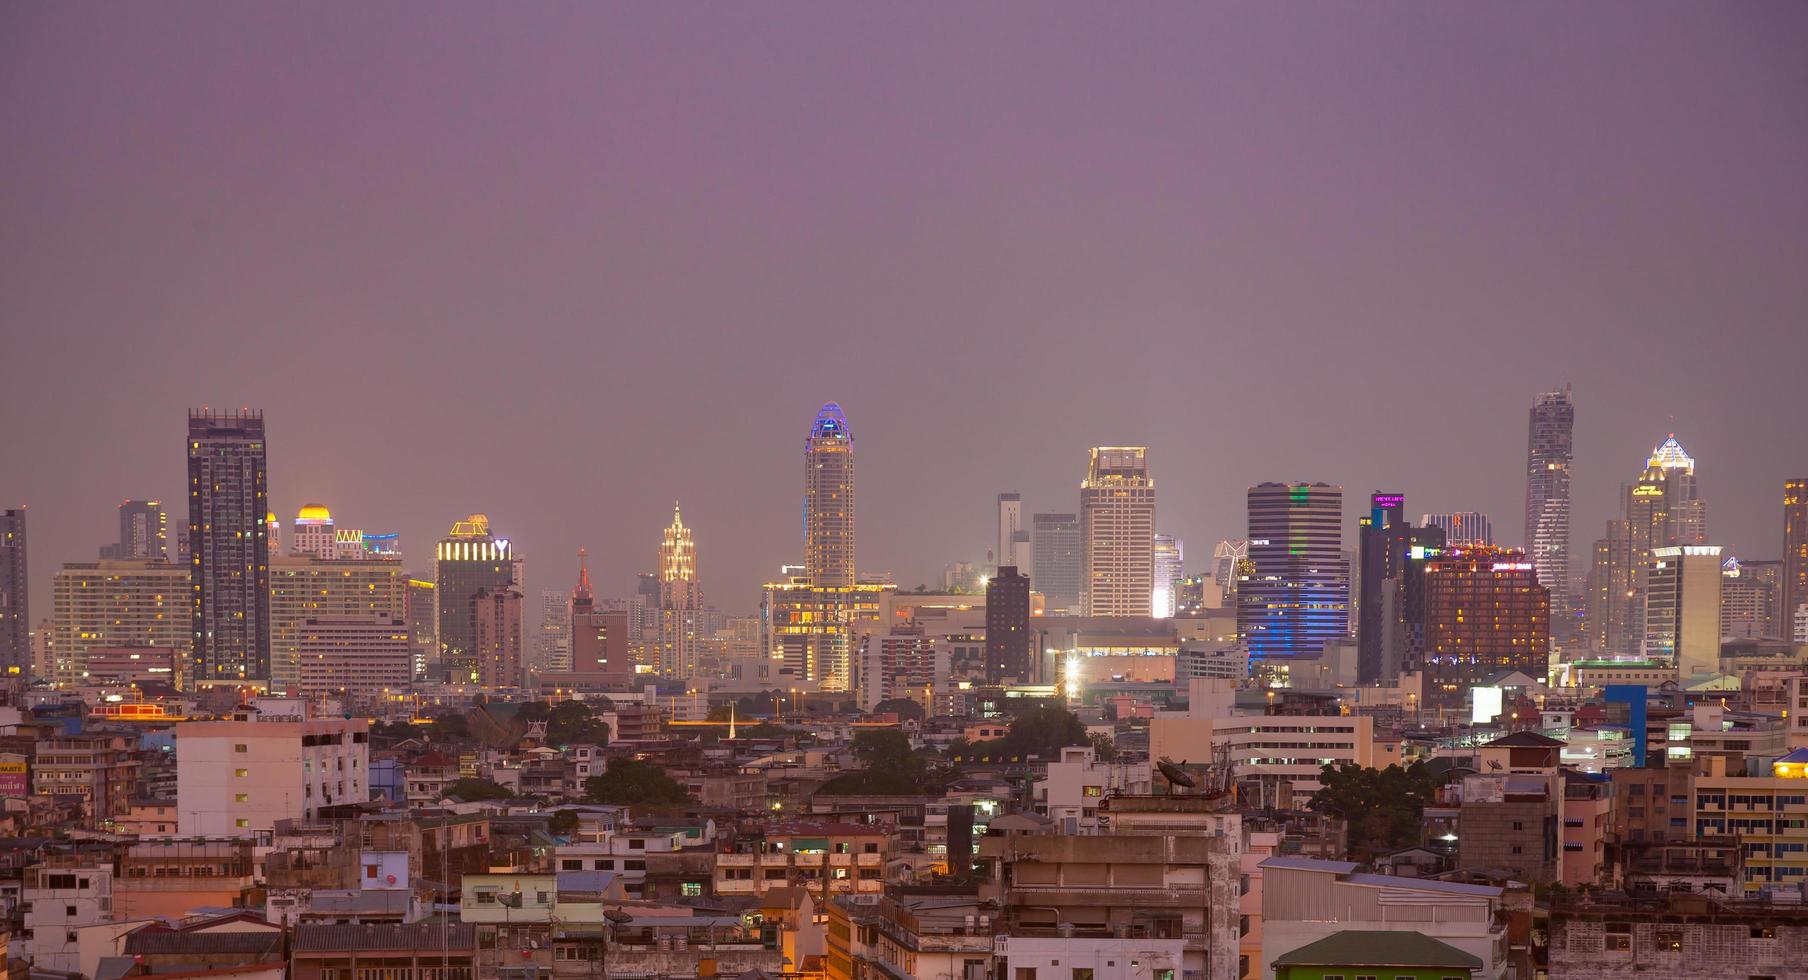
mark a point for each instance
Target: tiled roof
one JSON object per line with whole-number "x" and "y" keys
{"x": 154, "y": 942}
{"x": 1381, "y": 947}
{"x": 338, "y": 938}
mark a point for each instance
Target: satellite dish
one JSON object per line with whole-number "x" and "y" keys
{"x": 617, "y": 916}
{"x": 1176, "y": 775}
{"x": 1493, "y": 763}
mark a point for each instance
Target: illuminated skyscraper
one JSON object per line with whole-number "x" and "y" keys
{"x": 1549, "y": 450}
{"x": 143, "y": 532}
{"x": 469, "y": 561}
{"x": 1117, "y": 513}
{"x": 313, "y": 533}
{"x": 1293, "y": 595}
{"x": 1390, "y": 609}
{"x": 228, "y": 500}
{"x": 1169, "y": 557}
{"x": 1464, "y": 529}
{"x": 1662, "y": 509}
{"x": 422, "y": 602}
{"x": 1682, "y": 608}
{"x": 1055, "y": 554}
{"x": 1795, "y": 553}
{"x": 15, "y": 621}
{"x": 829, "y": 499}
{"x": 680, "y": 601}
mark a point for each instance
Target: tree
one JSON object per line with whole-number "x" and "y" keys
{"x": 890, "y": 767}
{"x": 902, "y": 707}
{"x": 1045, "y": 731}
{"x": 573, "y": 721}
{"x": 453, "y": 724}
{"x": 397, "y": 730}
{"x": 1103, "y": 749}
{"x": 1383, "y": 809}
{"x": 630, "y": 782}
{"x": 473, "y": 790}
{"x": 562, "y": 823}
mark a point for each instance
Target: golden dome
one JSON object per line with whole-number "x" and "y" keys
{"x": 314, "y": 512}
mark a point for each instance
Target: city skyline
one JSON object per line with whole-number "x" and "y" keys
{"x": 523, "y": 316}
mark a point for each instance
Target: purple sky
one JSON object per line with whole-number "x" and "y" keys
{"x": 564, "y": 263}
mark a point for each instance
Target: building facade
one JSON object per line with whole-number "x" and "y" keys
{"x": 228, "y": 502}
{"x": 1056, "y": 548}
{"x": 138, "y": 603}
{"x": 469, "y": 560}
{"x": 1117, "y": 514}
{"x": 143, "y": 532}
{"x": 496, "y": 614}
{"x": 304, "y": 588}
{"x": 1485, "y": 612}
{"x": 1010, "y": 643}
{"x": 1463, "y": 529}
{"x": 1293, "y": 591}
{"x": 1795, "y": 552}
{"x": 681, "y": 639}
{"x": 237, "y": 778}
{"x": 1682, "y": 608}
{"x": 368, "y": 662}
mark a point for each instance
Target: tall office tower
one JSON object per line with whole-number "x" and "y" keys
{"x": 1010, "y": 644}
{"x": 228, "y": 501}
{"x": 1685, "y": 518}
{"x": 1795, "y": 553}
{"x": 1485, "y": 612}
{"x": 1662, "y": 509}
{"x": 829, "y": 499}
{"x": 15, "y": 609}
{"x": 1550, "y": 448}
{"x": 304, "y": 588}
{"x": 1168, "y": 557}
{"x": 115, "y": 604}
{"x": 143, "y": 532}
{"x": 1117, "y": 516}
{"x": 1293, "y": 594}
{"x": 470, "y": 560}
{"x": 1682, "y": 608}
{"x": 1010, "y": 523}
{"x": 1463, "y": 529}
{"x": 554, "y": 646}
{"x": 496, "y": 622}
{"x": 1055, "y": 553}
{"x": 421, "y": 602}
{"x": 1391, "y": 555}
{"x": 680, "y": 601}
{"x": 313, "y": 533}
{"x": 1748, "y": 601}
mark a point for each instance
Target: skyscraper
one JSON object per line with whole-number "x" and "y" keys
{"x": 1795, "y": 552}
{"x": 1117, "y": 514}
{"x": 304, "y": 588}
{"x": 1010, "y": 644}
{"x": 15, "y": 611}
{"x": 1391, "y": 556}
{"x": 228, "y": 500}
{"x": 554, "y": 653}
{"x": 1228, "y": 554}
{"x": 1169, "y": 557}
{"x": 1682, "y": 608}
{"x": 1662, "y": 509}
{"x": 1010, "y": 523}
{"x": 1748, "y": 601}
{"x": 1055, "y": 550}
{"x": 143, "y": 532}
{"x": 469, "y": 560}
{"x": 680, "y": 601}
{"x": 1463, "y": 529}
{"x": 496, "y": 624}
{"x": 422, "y": 602}
{"x": 1485, "y": 612}
{"x": 313, "y": 533}
{"x": 1549, "y": 451}
{"x": 113, "y": 604}
{"x": 829, "y": 499}
{"x": 1293, "y": 595}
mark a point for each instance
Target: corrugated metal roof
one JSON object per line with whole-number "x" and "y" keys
{"x": 1310, "y": 864}
{"x": 152, "y": 942}
{"x": 337, "y": 938}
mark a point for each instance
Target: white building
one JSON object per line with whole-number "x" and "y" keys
{"x": 1075, "y": 785}
{"x": 1682, "y": 608}
{"x": 312, "y": 534}
{"x": 366, "y": 661}
{"x": 1088, "y": 956}
{"x": 237, "y": 778}
{"x": 60, "y": 897}
{"x": 1117, "y": 515}
{"x": 1275, "y": 756}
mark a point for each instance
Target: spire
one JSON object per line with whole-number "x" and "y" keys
{"x": 677, "y": 515}
{"x": 583, "y": 589}
{"x": 731, "y": 720}
{"x": 1669, "y": 455}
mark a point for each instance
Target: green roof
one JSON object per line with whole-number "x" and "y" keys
{"x": 1362, "y": 947}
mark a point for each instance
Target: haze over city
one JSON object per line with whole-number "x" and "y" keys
{"x": 564, "y": 266}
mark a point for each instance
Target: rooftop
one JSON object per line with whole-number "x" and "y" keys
{"x": 1392, "y": 948}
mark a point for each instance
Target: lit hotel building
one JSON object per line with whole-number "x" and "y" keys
{"x": 468, "y": 561}
{"x": 304, "y": 588}
{"x": 365, "y": 661}
{"x": 1484, "y": 613}
{"x": 115, "y": 604}
{"x": 1117, "y": 514}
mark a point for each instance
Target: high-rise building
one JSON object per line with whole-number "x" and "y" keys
{"x": 681, "y": 633}
{"x": 143, "y": 532}
{"x": 808, "y": 629}
{"x": 554, "y": 648}
{"x": 422, "y": 602}
{"x": 1117, "y": 514}
{"x": 1485, "y": 612}
{"x": 1228, "y": 554}
{"x": 1010, "y": 524}
{"x": 1748, "y": 601}
{"x": 1795, "y": 552}
{"x": 1662, "y": 509}
{"x": 1682, "y": 608}
{"x": 1055, "y": 552}
{"x": 1463, "y": 529}
{"x": 272, "y": 532}
{"x": 1293, "y": 595}
{"x": 228, "y": 501}
{"x": 602, "y": 639}
{"x": 365, "y": 661}
{"x": 496, "y": 616}
{"x": 1391, "y": 555}
{"x": 304, "y": 588}
{"x": 313, "y": 533}
{"x": 1169, "y": 558}
{"x": 829, "y": 499}
{"x": 1010, "y": 644}
{"x": 1550, "y": 449}
{"x": 116, "y": 604}
{"x": 15, "y": 607}
{"x": 469, "y": 560}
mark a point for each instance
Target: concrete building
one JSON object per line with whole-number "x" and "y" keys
{"x": 829, "y": 500}
{"x": 1010, "y": 524}
{"x": 143, "y": 532}
{"x": 1682, "y": 608}
{"x": 1169, "y": 558}
{"x": 1550, "y": 450}
{"x": 421, "y": 601}
{"x": 1462, "y": 529}
{"x": 1057, "y": 549}
{"x": 1748, "y": 603}
{"x": 228, "y": 502}
{"x": 313, "y": 534}
{"x": 110, "y": 604}
{"x": 1766, "y": 810}
{"x": 59, "y": 898}
{"x": 1274, "y": 759}
{"x": 132, "y": 665}
{"x": 1117, "y": 514}
{"x": 1485, "y": 612}
{"x": 304, "y": 588}
{"x": 1305, "y": 900}
{"x": 238, "y": 778}
{"x": 1078, "y": 784}
{"x": 680, "y": 642}
{"x": 1794, "y": 591}
{"x": 365, "y": 661}
{"x": 808, "y": 629}
{"x": 101, "y": 768}
{"x": 497, "y": 649}
{"x": 1011, "y": 644}
{"x": 553, "y": 648}
{"x": 1674, "y": 937}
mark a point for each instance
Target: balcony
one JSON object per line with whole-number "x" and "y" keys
{"x": 775, "y": 860}
{"x": 736, "y": 886}
{"x": 870, "y": 860}
{"x": 735, "y": 860}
